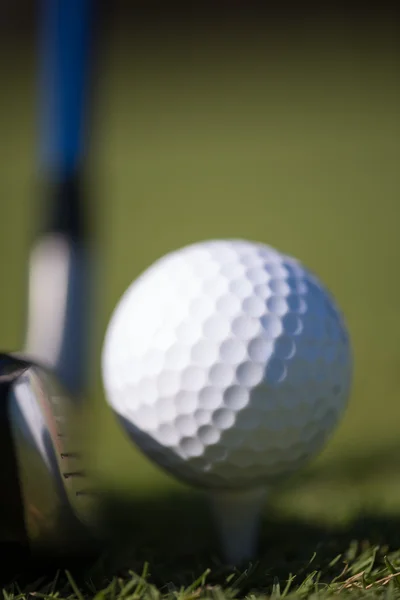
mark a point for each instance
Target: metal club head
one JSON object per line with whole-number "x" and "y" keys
{"x": 46, "y": 503}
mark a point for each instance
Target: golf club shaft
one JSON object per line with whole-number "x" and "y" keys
{"x": 60, "y": 274}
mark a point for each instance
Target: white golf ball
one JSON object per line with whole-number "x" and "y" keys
{"x": 228, "y": 363}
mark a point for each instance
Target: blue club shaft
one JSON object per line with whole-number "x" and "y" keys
{"x": 65, "y": 45}
{"x": 60, "y": 273}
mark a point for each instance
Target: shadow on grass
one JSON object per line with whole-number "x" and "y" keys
{"x": 174, "y": 535}
{"x": 173, "y": 532}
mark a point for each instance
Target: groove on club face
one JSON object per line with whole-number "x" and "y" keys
{"x": 59, "y": 511}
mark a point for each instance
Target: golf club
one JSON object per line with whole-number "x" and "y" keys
{"x": 45, "y": 504}
{"x": 42, "y": 389}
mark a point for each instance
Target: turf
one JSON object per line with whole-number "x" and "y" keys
{"x": 290, "y": 139}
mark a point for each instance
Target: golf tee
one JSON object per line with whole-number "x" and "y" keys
{"x": 237, "y": 515}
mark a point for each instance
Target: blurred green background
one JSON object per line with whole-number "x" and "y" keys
{"x": 286, "y": 134}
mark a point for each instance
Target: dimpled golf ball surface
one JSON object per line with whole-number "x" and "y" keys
{"x": 228, "y": 363}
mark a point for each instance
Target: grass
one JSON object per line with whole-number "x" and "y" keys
{"x": 317, "y": 563}
{"x": 293, "y": 141}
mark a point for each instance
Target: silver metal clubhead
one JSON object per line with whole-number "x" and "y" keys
{"x": 45, "y": 500}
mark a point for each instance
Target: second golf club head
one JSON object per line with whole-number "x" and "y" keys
{"x": 46, "y": 502}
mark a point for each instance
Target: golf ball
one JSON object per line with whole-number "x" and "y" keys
{"x": 228, "y": 364}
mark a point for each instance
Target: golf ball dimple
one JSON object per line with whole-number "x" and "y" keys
{"x": 228, "y": 362}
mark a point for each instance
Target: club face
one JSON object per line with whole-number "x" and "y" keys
{"x": 59, "y": 510}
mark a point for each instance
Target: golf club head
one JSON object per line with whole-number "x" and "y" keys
{"x": 46, "y": 503}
